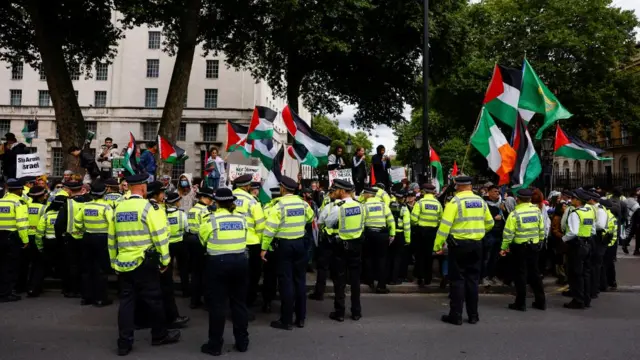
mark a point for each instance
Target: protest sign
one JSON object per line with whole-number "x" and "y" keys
{"x": 397, "y": 175}
{"x": 29, "y": 165}
{"x": 236, "y": 171}
{"x": 343, "y": 174}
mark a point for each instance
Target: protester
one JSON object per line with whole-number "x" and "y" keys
{"x": 87, "y": 162}
{"x": 148, "y": 160}
{"x": 381, "y": 165}
{"x": 12, "y": 148}
{"x": 215, "y": 169}
{"x": 492, "y": 241}
{"x": 166, "y": 183}
{"x": 107, "y": 152}
{"x": 359, "y": 169}
{"x": 557, "y": 245}
{"x": 336, "y": 162}
{"x": 187, "y": 192}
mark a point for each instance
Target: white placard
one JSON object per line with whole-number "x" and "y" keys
{"x": 343, "y": 174}
{"x": 397, "y": 175}
{"x": 29, "y": 165}
{"x": 236, "y": 171}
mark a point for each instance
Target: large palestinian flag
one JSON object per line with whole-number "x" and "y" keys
{"x": 574, "y": 148}
{"x": 273, "y": 178}
{"x": 265, "y": 150}
{"x": 316, "y": 145}
{"x": 237, "y": 138}
{"x": 493, "y": 145}
{"x": 434, "y": 160}
{"x": 170, "y": 153}
{"x": 130, "y": 160}
{"x": 503, "y": 95}
{"x": 528, "y": 166}
{"x": 261, "y": 126}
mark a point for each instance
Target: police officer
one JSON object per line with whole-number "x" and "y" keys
{"x": 325, "y": 247}
{"x": 247, "y": 204}
{"x": 28, "y": 182}
{"x": 178, "y": 227}
{"x": 31, "y": 259}
{"x": 426, "y": 216}
{"x": 598, "y": 243}
{"x": 14, "y": 235}
{"x": 580, "y": 228}
{"x": 381, "y": 194}
{"x": 379, "y": 231}
{"x": 194, "y": 246}
{"x": 139, "y": 252}
{"x": 94, "y": 221}
{"x": 408, "y": 251}
{"x": 270, "y": 267}
{"x": 113, "y": 195}
{"x": 402, "y": 217}
{"x": 346, "y": 217}
{"x": 47, "y": 245}
{"x": 285, "y": 229}
{"x": 71, "y": 239}
{"x": 523, "y": 236}
{"x": 610, "y": 237}
{"x": 225, "y": 235}
{"x": 465, "y": 221}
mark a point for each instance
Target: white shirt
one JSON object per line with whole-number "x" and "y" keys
{"x": 601, "y": 217}
{"x": 573, "y": 225}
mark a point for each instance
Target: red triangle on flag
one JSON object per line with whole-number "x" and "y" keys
{"x": 454, "y": 172}
{"x": 561, "y": 139}
{"x": 373, "y": 177}
{"x": 496, "y": 86}
{"x": 165, "y": 149}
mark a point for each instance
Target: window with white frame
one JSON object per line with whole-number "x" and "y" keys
{"x": 57, "y": 159}
{"x": 75, "y": 72}
{"x": 102, "y": 71}
{"x": 43, "y": 76}
{"x": 17, "y": 71}
{"x": 44, "y": 99}
{"x": 5, "y": 127}
{"x": 154, "y": 39}
{"x": 209, "y": 132}
{"x": 153, "y": 68}
{"x": 177, "y": 170}
{"x": 210, "y": 98}
{"x": 91, "y": 126}
{"x": 151, "y": 98}
{"x": 15, "y": 97}
{"x": 100, "y": 99}
{"x": 212, "y": 69}
{"x": 149, "y": 131}
{"x": 182, "y": 133}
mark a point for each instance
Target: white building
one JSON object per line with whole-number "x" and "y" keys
{"x": 128, "y": 95}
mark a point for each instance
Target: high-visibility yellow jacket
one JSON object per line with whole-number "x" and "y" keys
{"x": 525, "y": 224}
{"x": 378, "y": 215}
{"x": 94, "y": 218}
{"x": 14, "y": 216}
{"x": 36, "y": 210}
{"x": 224, "y": 233}
{"x": 247, "y": 205}
{"x": 287, "y": 220}
{"x": 427, "y": 212}
{"x": 46, "y": 228}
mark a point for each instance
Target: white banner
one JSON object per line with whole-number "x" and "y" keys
{"x": 344, "y": 174}
{"x": 29, "y": 165}
{"x": 397, "y": 175}
{"x": 236, "y": 171}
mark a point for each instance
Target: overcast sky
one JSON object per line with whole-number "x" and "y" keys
{"x": 384, "y": 135}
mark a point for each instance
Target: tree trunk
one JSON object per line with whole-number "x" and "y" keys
{"x": 69, "y": 119}
{"x": 179, "y": 85}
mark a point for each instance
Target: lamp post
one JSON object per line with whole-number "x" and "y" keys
{"x": 425, "y": 95}
{"x": 422, "y": 162}
{"x": 349, "y": 144}
{"x": 547, "y": 164}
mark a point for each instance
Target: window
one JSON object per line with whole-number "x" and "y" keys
{"x": 17, "y": 71}
{"x": 153, "y": 68}
{"x": 577, "y": 167}
{"x": 624, "y": 165}
{"x": 565, "y": 167}
{"x": 102, "y": 71}
{"x": 177, "y": 170}
{"x": 151, "y": 98}
{"x": 209, "y": 132}
{"x": 75, "y": 73}
{"x": 91, "y": 126}
{"x": 43, "y": 98}
{"x": 100, "y": 99}
{"x": 15, "y": 97}
{"x": 43, "y": 76}
{"x": 57, "y": 158}
{"x": 590, "y": 167}
{"x": 5, "y": 127}
{"x": 556, "y": 168}
{"x": 182, "y": 133}
{"x": 212, "y": 69}
{"x": 210, "y": 98}
{"x": 149, "y": 131}
{"x": 154, "y": 39}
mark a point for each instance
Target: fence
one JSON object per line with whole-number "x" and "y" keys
{"x": 628, "y": 181}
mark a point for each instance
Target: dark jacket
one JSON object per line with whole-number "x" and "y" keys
{"x": 9, "y": 159}
{"x": 380, "y": 169}
{"x": 359, "y": 171}
{"x": 498, "y": 226}
{"x": 60, "y": 226}
{"x": 89, "y": 163}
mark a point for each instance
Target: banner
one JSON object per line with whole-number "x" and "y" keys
{"x": 117, "y": 167}
{"x": 397, "y": 174}
{"x": 236, "y": 171}
{"x": 29, "y": 165}
{"x": 344, "y": 174}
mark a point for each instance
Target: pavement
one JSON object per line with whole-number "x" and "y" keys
{"x": 393, "y": 327}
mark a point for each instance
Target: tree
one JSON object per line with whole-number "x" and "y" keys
{"x": 61, "y": 36}
{"x": 360, "y": 52}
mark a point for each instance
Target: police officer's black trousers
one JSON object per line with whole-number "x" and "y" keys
{"x": 196, "y": 267}
{"x": 227, "y": 280}
{"x": 376, "y": 247}
{"x": 324, "y": 255}
{"x": 270, "y": 277}
{"x": 140, "y": 285}
{"x": 29, "y": 258}
{"x": 255, "y": 271}
{"x": 394, "y": 258}
{"x": 346, "y": 266}
{"x": 464, "y": 272}
{"x": 180, "y": 259}
{"x": 292, "y": 279}
{"x": 71, "y": 278}
{"x": 597, "y": 258}
{"x": 95, "y": 267}
{"x": 142, "y": 315}
{"x": 608, "y": 275}
{"x": 10, "y": 245}
{"x": 579, "y": 270}
{"x": 424, "y": 253}
{"x": 525, "y": 270}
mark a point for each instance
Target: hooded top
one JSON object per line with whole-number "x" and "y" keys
{"x": 188, "y": 199}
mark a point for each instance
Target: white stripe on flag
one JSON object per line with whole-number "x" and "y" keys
{"x": 316, "y": 149}
{"x": 510, "y": 96}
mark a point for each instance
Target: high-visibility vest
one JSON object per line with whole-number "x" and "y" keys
{"x": 383, "y": 196}
{"x": 138, "y": 227}
{"x": 287, "y": 220}
{"x": 73, "y": 207}
{"x": 195, "y": 215}
{"x": 224, "y": 233}
{"x": 46, "y": 228}
{"x": 113, "y": 198}
{"x": 404, "y": 224}
{"x": 14, "y": 216}
{"x": 612, "y": 227}
{"x": 466, "y": 217}
{"x": 177, "y": 220}
{"x": 350, "y": 220}
{"x": 247, "y": 205}
{"x": 427, "y": 212}
{"x": 94, "y": 218}
{"x": 36, "y": 210}
{"x": 587, "y": 219}
{"x": 378, "y": 215}
{"x": 524, "y": 225}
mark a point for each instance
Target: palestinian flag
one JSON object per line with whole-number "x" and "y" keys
{"x": 302, "y": 154}
{"x": 493, "y": 145}
{"x": 536, "y": 97}
{"x": 169, "y": 153}
{"x": 261, "y": 126}
{"x": 130, "y": 161}
{"x": 373, "y": 177}
{"x": 30, "y": 130}
{"x": 434, "y": 160}
{"x": 574, "y": 148}
{"x": 316, "y": 144}
{"x": 528, "y": 166}
{"x": 265, "y": 150}
{"x": 503, "y": 94}
{"x": 454, "y": 171}
{"x": 237, "y": 138}
{"x": 273, "y": 178}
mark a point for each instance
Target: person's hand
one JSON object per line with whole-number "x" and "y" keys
{"x": 504, "y": 252}
{"x": 25, "y": 245}
{"x": 363, "y": 156}
{"x": 498, "y": 217}
{"x": 391, "y": 238}
{"x": 263, "y": 255}
{"x": 163, "y": 269}
{"x": 440, "y": 252}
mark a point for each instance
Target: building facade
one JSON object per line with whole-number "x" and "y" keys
{"x": 128, "y": 95}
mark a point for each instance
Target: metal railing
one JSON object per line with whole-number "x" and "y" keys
{"x": 615, "y": 143}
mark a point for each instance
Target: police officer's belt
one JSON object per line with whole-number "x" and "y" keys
{"x": 375, "y": 229}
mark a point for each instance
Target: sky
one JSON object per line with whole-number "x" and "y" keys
{"x": 384, "y": 135}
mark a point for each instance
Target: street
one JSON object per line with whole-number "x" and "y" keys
{"x": 397, "y": 326}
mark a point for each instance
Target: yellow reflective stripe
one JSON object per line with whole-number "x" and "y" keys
{"x": 467, "y": 231}
{"x": 134, "y": 243}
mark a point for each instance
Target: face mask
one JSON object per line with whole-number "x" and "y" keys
{"x": 184, "y": 183}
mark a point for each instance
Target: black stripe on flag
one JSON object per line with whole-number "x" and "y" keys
{"x": 266, "y": 113}
{"x": 511, "y": 76}
{"x": 239, "y": 129}
{"x": 302, "y": 126}
{"x": 520, "y": 145}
